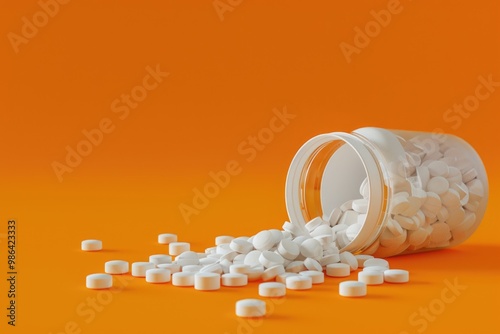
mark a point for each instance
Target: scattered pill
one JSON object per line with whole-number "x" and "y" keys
{"x": 139, "y": 268}
{"x": 352, "y": 289}
{"x": 172, "y": 267}
{"x": 234, "y": 279}
{"x": 183, "y": 279}
{"x": 207, "y": 281}
{"x": 371, "y": 277}
{"x": 317, "y": 277}
{"x": 361, "y": 258}
{"x": 272, "y": 289}
{"x": 338, "y": 270}
{"x": 376, "y": 262}
{"x": 166, "y": 238}
{"x": 160, "y": 258}
{"x": 271, "y": 272}
{"x": 223, "y": 239}
{"x": 157, "y": 275}
{"x": 176, "y": 248}
{"x": 91, "y": 245}
{"x": 250, "y": 308}
{"x": 99, "y": 281}
{"x": 299, "y": 282}
{"x": 116, "y": 267}
{"x": 396, "y": 276}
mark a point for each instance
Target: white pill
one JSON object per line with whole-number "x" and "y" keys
{"x": 438, "y": 168}
{"x": 272, "y": 289}
{"x": 207, "y": 281}
{"x": 99, "y": 281}
{"x": 375, "y": 268}
{"x": 312, "y": 264}
{"x": 417, "y": 237}
{"x": 470, "y": 175}
{"x": 241, "y": 246}
{"x": 451, "y": 199}
{"x": 191, "y": 268}
{"x": 234, "y": 279}
{"x": 173, "y": 267}
{"x": 288, "y": 249}
{"x": 376, "y": 262}
{"x": 352, "y": 289}
{"x": 346, "y": 206}
{"x": 329, "y": 259}
{"x": 353, "y": 230}
{"x": 322, "y": 230}
{"x": 166, "y": 238}
{"x": 349, "y": 217}
{"x": 360, "y": 205}
{"x": 255, "y": 273}
{"x": 396, "y": 276}
{"x": 252, "y": 258}
{"x": 295, "y": 266}
{"x": 438, "y": 185}
{"x": 239, "y": 268}
{"x": 348, "y": 258}
{"x": 139, "y": 268}
{"x": 160, "y": 258}
{"x": 212, "y": 268}
{"x": 317, "y": 277}
{"x": 423, "y": 175}
{"x": 314, "y": 223}
{"x": 116, "y": 267}
{"x": 440, "y": 233}
{"x": 158, "y": 275}
{"x": 176, "y": 248}
{"x": 270, "y": 259}
{"x": 361, "y": 258}
{"x": 250, "y": 308}
{"x": 406, "y": 222}
{"x": 311, "y": 248}
{"x": 334, "y": 216}
{"x": 338, "y": 270}
{"x": 207, "y": 260}
{"x": 263, "y": 240}
{"x": 223, "y": 239}
{"x": 394, "y": 227}
{"x": 299, "y": 282}
{"x": 399, "y": 203}
{"x": 223, "y": 249}
{"x": 282, "y": 278}
{"x": 371, "y": 277}
{"x": 272, "y": 272}
{"x": 183, "y": 279}
{"x": 91, "y": 245}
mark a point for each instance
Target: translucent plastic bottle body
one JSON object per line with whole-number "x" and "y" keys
{"x": 421, "y": 191}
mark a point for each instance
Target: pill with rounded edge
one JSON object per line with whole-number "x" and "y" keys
{"x": 312, "y": 264}
{"x": 263, "y": 240}
{"x": 272, "y": 289}
{"x": 271, "y": 272}
{"x": 234, "y": 279}
{"x": 99, "y": 281}
{"x": 299, "y": 282}
{"x": 352, "y": 289}
{"x": 361, "y": 258}
{"x": 139, "y": 268}
{"x": 241, "y": 246}
{"x": 338, "y": 270}
{"x": 91, "y": 245}
{"x": 223, "y": 239}
{"x": 348, "y": 258}
{"x": 282, "y": 278}
{"x": 173, "y": 267}
{"x": 317, "y": 277}
{"x": 160, "y": 258}
{"x": 270, "y": 259}
{"x": 371, "y": 277}
{"x": 250, "y": 308}
{"x": 396, "y": 276}
{"x": 288, "y": 249}
{"x": 116, "y": 267}
{"x": 176, "y": 248}
{"x": 157, "y": 275}
{"x": 311, "y": 248}
{"x": 166, "y": 238}
{"x": 183, "y": 279}
{"x": 191, "y": 268}
{"x": 206, "y": 281}
{"x": 376, "y": 262}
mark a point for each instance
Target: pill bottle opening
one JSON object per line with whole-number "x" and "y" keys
{"x": 328, "y": 171}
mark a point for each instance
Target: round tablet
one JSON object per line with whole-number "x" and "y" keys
{"x": 311, "y": 264}
{"x": 348, "y": 258}
{"x": 299, "y": 282}
{"x": 191, "y": 268}
{"x": 396, "y": 276}
{"x": 160, "y": 258}
{"x": 352, "y": 289}
{"x": 272, "y": 289}
{"x": 361, "y": 258}
{"x": 250, "y": 308}
{"x": 289, "y": 249}
{"x": 91, "y": 245}
{"x": 371, "y": 277}
{"x": 157, "y": 275}
{"x": 176, "y": 248}
{"x": 271, "y": 272}
{"x": 263, "y": 240}
{"x": 311, "y": 248}
{"x": 99, "y": 281}
{"x": 282, "y": 278}
{"x": 166, "y": 238}
{"x": 116, "y": 267}
{"x": 317, "y": 276}
{"x": 206, "y": 281}
{"x": 239, "y": 268}
{"x": 173, "y": 267}
{"x": 270, "y": 259}
{"x": 183, "y": 279}
{"x": 376, "y": 262}
{"x": 139, "y": 268}
{"x": 338, "y": 270}
{"x": 241, "y": 246}
{"x": 223, "y": 239}
{"x": 234, "y": 279}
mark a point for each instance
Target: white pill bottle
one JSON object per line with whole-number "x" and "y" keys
{"x": 425, "y": 191}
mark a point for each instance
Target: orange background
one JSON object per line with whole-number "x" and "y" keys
{"x": 226, "y": 77}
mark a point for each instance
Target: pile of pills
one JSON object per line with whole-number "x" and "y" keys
{"x": 279, "y": 260}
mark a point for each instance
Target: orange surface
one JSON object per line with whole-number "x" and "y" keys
{"x": 225, "y": 79}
